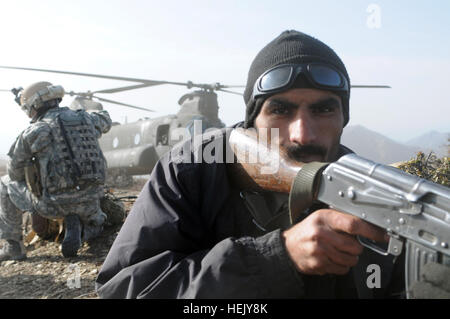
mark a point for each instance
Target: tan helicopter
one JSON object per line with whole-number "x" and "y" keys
{"x": 134, "y": 148}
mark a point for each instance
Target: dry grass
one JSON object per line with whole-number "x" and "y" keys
{"x": 429, "y": 167}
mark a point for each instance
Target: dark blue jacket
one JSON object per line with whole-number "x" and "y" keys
{"x": 192, "y": 234}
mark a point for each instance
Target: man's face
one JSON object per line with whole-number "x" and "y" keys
{"x": 310, "y": 123}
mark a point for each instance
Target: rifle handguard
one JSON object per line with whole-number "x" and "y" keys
{"x": 304, "y": 188}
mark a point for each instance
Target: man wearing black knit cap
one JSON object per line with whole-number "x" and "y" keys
{"x": 294, "y": 75}
{"x": 293, "y": 47}
{"x": 193, "y": 233}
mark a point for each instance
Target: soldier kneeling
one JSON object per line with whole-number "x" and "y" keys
{"x": 55, "y": 169}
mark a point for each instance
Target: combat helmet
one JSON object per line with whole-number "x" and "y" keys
{"x": 38, "y": 95}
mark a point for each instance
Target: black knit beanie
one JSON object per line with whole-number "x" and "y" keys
{"x": 291, "y": 47}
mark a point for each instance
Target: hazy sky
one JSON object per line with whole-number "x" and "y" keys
{"x": 404, "y": 44}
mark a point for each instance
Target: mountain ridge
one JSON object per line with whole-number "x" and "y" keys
{"x": 384, "y": 150}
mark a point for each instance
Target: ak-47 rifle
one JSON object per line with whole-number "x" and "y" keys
{"x": 414, "y": 212}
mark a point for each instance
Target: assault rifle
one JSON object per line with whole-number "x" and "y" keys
{"x": 414, "y": 212}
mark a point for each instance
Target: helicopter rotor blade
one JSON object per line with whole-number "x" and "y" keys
{"x": 83, "y": 94}
{"x": 370, "y": 87}
{"x": 110, "y": 77}
{"x": 227, "y": 91}
{"x": 153, "y": 82}
{"x": 231, "y": 86}
{"x": 124, "y": 88}
{"x": 3, "y": 90}
{"x": 123, "y": 104}
{"x": 147, "y": 82}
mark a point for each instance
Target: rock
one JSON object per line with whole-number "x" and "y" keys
{"x": 114, "y": 210}
{"x": 9, "y": 262}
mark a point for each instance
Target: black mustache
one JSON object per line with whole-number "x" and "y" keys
{"x": 298, "y": 152}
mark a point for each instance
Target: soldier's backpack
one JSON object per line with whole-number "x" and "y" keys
{"x": 77, "y": 161}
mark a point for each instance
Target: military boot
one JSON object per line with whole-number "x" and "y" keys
{"x": 72, "y": 237}
{"x": 12, "y": 250}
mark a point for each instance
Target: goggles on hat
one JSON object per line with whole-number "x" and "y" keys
{"x": 282, "y": 77}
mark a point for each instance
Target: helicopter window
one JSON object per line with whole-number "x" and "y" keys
{"x": 162, "y": 135}
{"x": 115, "y": 142}
{"x": 137, "y": 139}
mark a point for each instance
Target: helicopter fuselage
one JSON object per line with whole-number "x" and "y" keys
{"x": 134, "y": 148}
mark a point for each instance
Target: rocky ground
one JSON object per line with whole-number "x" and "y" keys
{"x": 46, "y": 274}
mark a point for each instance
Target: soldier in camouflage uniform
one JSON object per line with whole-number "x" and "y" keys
{"x": 56, "y": 169}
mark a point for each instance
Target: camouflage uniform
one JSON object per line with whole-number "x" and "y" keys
{"x": 59, "y": 198}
